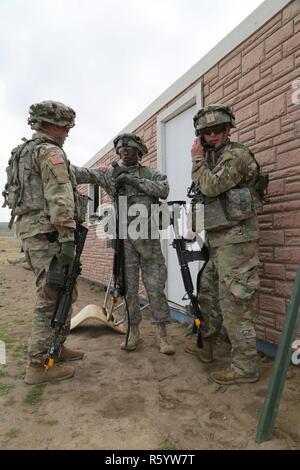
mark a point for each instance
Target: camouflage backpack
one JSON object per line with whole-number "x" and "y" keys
{"x": 20, "y": 177}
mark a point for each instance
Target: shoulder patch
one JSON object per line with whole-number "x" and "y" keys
{"x": 56, "y": 160}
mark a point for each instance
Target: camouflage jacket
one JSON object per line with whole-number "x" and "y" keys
{"x": 233, "y": 166}
{"x": 150, "y": 189}
{"x": 156, "y": 187}
{"x": 50, "y": 163}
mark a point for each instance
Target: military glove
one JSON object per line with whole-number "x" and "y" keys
{"x": 55, "y": 278}
{"x": 66, "y": 255}
{"x": 124, "y": 178}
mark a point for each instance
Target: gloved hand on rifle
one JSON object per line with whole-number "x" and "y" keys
{"x": 55, "y": 277}
{"x": 66, "y": 255}
{"x": 130, "y": 180}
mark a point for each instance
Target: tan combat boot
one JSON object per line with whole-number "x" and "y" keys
{"x": 230, "y": 377}
{"x": 68, "y": 354}
{"x": 205, "y": 354}
{"x": 37, "y": 374}
{"x": 164, "y": 346}
{"x": 133, "y": 340}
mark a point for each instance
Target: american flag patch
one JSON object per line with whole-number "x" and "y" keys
{"x": 56, "y": 159}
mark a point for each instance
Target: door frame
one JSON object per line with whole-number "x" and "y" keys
{"x": 190, "y": 98}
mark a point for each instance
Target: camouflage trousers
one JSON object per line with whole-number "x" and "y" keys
{"x": 147, "y": 256}
{"x": 39, "y": 253}
{"x": 228, "y": 296}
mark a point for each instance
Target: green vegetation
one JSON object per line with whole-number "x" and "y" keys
{"x": 8, "y": 340}
{"x": 167, "y": 444}
{"x": 20, "y": 351}
{"x": 18, "y": 322}
{"x": 11, "y": 434}
{"x": 52, "y": 422}
{"x": 6, "y": 388}
{"x": 3, "y": 373}
{"x": 34, "y": 396}
{"x": 5, "y": 329}
{"x": 49, "y": 422}
{"x": 21, "y": 375}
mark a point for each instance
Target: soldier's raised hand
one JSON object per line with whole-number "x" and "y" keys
{"x": 197, "y": 149}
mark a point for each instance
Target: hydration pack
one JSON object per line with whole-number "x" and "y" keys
{"x": 23, "y": 190}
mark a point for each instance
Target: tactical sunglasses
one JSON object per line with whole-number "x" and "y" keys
{"x": 126, "y": 149}
{"x": 215, "y": 129}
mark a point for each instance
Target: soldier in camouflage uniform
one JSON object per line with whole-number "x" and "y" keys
{"x": 47, "y": 210}
{"x": 141, "y": 185}
{"x": 224, "y": 173}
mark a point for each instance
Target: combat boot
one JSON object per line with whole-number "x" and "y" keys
{"x": 230, "y": 377}
{"x": 205, "y": 354}
{"x": 37, "y": 374}
{"x": 165, "y": 347}
{"x": 133, "y": 340}
{"x": 68, "y": 354}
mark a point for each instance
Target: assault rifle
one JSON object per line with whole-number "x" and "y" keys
{"x": 185, "y": 257}
{"x": 64, "y": 300}
{"x": 118, "y": 244}
{"x": 119, "y": 274}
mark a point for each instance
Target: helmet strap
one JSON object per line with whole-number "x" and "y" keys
{"x": 226, "y": 134}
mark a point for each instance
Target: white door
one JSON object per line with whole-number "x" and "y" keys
{"x": 179, "y": 137}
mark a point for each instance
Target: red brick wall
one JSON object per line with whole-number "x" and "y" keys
{"x": 255, "y": 79}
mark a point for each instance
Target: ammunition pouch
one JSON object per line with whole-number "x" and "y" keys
{"x": 238, "y": 204}
{"x": 223, "y": 211}
{"x": 215, "y": 215}
{"x": 55, "y": 277}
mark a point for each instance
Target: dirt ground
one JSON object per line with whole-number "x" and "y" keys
{"x": 118, "y": 400}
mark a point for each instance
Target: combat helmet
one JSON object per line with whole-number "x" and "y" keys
{"x": 51, "y": 111}
{"x": 130, "y": 140}
{"x": 213, "y": 115}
